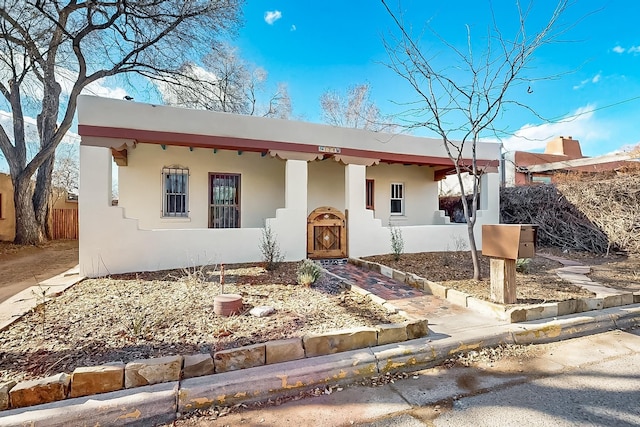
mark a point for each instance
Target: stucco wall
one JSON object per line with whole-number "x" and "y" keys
{"x": 140, "y": 185}
{"x": 326, "y": 185}
{"x": 421, "y": 193}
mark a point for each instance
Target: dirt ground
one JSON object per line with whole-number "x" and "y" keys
{"x": 24, "y": 266}
{"x": 538, "y": 284}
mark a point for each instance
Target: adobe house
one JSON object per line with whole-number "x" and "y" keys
{"x": 198, "y": 187}
{"x": 560, "y": 154}
{"x": 60, "y": 200}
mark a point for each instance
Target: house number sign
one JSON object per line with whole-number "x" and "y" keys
{"x": 332, "y": 150}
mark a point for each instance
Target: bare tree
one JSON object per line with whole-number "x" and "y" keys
{"x": 354, "y": 110}
{"x": 460, "y": 101}
{"x": 51, "y": 50}
{"x": 225, "y": 82}
{"x": 66, "y": 172}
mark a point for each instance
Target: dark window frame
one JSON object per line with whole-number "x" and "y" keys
{"x": 369, "y": 194}
{"x": 175, "y": 200}
{"x": 228, "y": 206}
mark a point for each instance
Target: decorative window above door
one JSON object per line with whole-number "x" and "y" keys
{"x": 224, "y": 200}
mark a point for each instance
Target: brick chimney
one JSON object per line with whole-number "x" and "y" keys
{"x": 564, "y": 146}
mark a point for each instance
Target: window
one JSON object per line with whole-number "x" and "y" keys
{"x": 224, "y": 200}
{"x": 175, "y": 183}
{"x": 397, "y": 199}
{"x": 369, "y": 193}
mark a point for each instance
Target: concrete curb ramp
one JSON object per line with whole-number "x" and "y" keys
{"x": 159, "y": 403}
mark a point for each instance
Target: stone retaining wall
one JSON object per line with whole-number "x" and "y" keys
{"x": 502, "y": 312}
{"x": 110, "y": 377}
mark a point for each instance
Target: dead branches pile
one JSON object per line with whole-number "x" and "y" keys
{"x": 589, "y": 213}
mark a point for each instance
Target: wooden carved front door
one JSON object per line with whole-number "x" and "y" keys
{"x": 326, "y": 233}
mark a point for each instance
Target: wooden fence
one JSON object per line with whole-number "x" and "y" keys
{"x": 64, "y": 224}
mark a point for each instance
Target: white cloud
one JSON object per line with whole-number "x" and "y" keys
{"x": 272, "y": 16}
{"x": 293, "y": 28}
{"x": 595, "y": 79}
{"x": 633, "y": 49}
{"x": 581, "y": 125}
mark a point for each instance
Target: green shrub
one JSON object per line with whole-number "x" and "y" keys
{"x": 397, "y": 242}
{"x": 270, "y": 249}
{"x": 308, "y": 272}
{"x": 522, "y": 265}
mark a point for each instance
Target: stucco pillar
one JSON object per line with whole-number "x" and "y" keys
{"x": 295, "y": 193}
{"x": 354, "y": 191}
{"x": 94, "y": 198}
{"x": 290, "y": 223}
{"x": 490, "y": 197}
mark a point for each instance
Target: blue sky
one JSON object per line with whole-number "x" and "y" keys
{"x": 331, "y": 45}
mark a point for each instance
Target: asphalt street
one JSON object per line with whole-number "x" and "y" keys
{"x": 588, "y": 381}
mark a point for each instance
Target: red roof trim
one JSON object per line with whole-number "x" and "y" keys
{"x": 233, "y": 143}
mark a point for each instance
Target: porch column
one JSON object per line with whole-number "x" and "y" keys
{"x": 354, "y": 181}
{"x": 358, "y": 218}
{"x": 290, "y": 223}
{"x": 295, "y": 185}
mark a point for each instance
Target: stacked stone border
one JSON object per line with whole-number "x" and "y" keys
{"x": 510, "y": 314}
{"x": 162, "y": 403}
{"x": 85, "y": 381}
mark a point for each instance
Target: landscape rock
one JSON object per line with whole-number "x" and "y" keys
{"x": 197, "y": 365}
{"x": 262, "y": 311}
{"x": 284, "y": 350}
{"x": 391, "y": 333}
{"x": 43, "y": 390}
{"x": 4, "y": 394}
{"x": 97, "y": 379}
{"x": 339, "y": 341}
{"x": 152, "y": 371}
{"x": 239, "y": 358}
{"x": 417, "y": 328}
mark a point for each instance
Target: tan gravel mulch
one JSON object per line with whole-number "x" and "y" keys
{"x": 133, "y": 316}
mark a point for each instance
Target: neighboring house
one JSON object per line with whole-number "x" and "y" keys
{"x": 198, "y": 187}
{"x": 60, "y": 200}
{"x": 560, "y": 154}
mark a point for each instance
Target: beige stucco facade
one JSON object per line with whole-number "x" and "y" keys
{"x": 286, "y": 170}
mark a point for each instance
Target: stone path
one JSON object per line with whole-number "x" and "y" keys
{"x": 414, "y": 302}
{"x": 575, "y": 272}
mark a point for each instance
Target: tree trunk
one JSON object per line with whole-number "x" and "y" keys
{"x": 477, "y": 272}
{"x": 42, "y": 196}
{"x": 27, "y": 230}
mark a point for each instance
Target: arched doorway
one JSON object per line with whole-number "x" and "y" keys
{"x": 326, "y": 233}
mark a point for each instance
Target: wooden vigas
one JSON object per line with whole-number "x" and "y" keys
{"x": 326, "y": 233}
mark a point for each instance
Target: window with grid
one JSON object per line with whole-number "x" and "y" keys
{"x": 224, "y": 200}
{"x": 397, "y": 199}
{"x": 369, "y": 193}
{"x": 175, "y": 183}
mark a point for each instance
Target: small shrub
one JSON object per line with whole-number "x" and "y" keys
{"x": 41, "y": 307}
{"x": 270, "y": 249}
{"x": 522, "y": 265}
{"x": 308, "y": 272}
{"x": 397, "y": 242}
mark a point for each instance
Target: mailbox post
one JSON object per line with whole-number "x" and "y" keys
{"x": 504, "y": 244}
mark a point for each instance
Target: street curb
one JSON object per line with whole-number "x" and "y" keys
{"x": 142, "y": 406}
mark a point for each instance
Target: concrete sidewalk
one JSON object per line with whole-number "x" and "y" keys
{"x": 21, "y": 303}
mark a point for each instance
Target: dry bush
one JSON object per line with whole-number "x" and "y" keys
{"x": 588, "y": 212}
